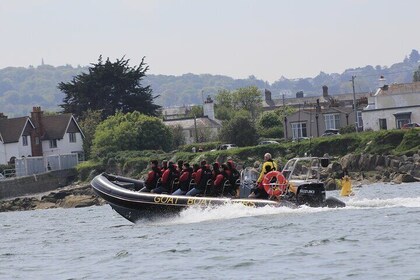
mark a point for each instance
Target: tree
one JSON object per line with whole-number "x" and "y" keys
{"x": 195, "y": 111}
{"x": 240, "y": 130}
{"x": 88, "y": 123}
{"x": 416, "y": 76}
{"x": 177, "y": 135}
{"x": 414, "y": 56}
{"x": 131, "y": 131}
{"x": 248, "y": 99}
{"x": 228, "y": 103}
{"x": 270, "y": 125}
{"x": 109, "y": 87}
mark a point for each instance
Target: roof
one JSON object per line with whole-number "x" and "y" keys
{"x": 312, "y": 99}
{"x": 57, "y": 125}
{"x": 399, "y": 89}
{"x": 12, "y": 129}
{"x": 188, "y": 123}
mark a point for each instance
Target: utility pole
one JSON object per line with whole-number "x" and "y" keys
{"x": 354, "y": 104}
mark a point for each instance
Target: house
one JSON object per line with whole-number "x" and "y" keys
{"x": 15, "y": 138}
{"x": 39, "y": 135}
{"x": 316, "y": 114}
{"x": 55, "y": 134}
{"x": 392, "y": 106}
{"x": 199, "y": 129}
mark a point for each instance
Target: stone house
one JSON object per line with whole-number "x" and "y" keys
{"x": 315, "y": 114}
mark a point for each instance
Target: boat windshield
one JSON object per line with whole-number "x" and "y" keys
{"x": 302, "y": 169}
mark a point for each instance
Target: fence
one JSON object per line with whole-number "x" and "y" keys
{"x": 36, "y": 165}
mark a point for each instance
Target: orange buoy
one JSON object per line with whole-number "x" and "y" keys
{"x": 274, "y": 183}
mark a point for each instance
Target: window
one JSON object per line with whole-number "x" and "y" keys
{"x": 332, "y": 121}
{"x": 299, "y": 130}
{"x": 382, "y": 124}
{"x": 72, "y": 137}
{"x": 402, "y": 118}
{"x": 359, "y": 119}
{"x": 25, "y": 140}
{"x": 36, "y": 140}
{"x": 53, "y": 143}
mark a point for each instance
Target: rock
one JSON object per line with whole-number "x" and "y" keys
{"x": 334, "y": 167}
{"x": 404, "y": 178}
{"x": 406, "y": 167}
{"x": 330, "y": 185}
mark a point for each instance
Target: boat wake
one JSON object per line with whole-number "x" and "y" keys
{"x": 231, "y": 211}
{"x": 234, "y": 210}
{"x": 410, "y": 202}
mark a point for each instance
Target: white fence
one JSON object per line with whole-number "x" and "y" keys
{"x": 36, "y": 165}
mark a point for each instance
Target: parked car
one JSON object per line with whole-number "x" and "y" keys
{"x": 225, "y": 147}
{"x": 267, "y": 142}
{"x": 330, "y": 132}
{"x": 410, "y": 125}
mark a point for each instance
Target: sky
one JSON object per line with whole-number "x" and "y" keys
{"x": 238, "y": 38}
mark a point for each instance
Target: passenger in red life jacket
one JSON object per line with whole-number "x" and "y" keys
{"x": 234, "y": 176}
{"x": 195, "y": 168}
{"x": 218, "y": 180}
{"x": 180, "y": 166}
{"x": 184, "y": 180}
{"x": 168, "y": 178}
{"x": 201, "y": 177}
{"x": 164, "y": 165}
{"x": 152, "y": 177}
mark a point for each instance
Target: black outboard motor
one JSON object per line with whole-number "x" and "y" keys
{"x": 312, "y": 194}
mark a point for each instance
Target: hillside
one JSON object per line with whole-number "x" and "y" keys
{"x": 22, "y": 88}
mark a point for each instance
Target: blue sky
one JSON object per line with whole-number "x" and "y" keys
{"x": 238, "y": 38}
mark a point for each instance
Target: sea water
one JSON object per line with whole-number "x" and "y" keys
{"x": 377, "y": 236}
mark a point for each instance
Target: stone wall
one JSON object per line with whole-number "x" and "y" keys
{"x": 35, "y": 184}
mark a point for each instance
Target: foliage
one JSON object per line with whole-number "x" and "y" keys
{"x": 270, "y": 125}
{"x": 85, "y": 168}
{"x": 131, "y": 131}
{"x": 348, "y": 129}
{"x": 178, "y": 135}
{"x": 410, "y": 142}
{"x": 196, "y": 111}
{"x": 240, "y": 130}
{"x": 109, "y": 87}
{"x": 416, "y": 76}
{"x": 88, "y": 123}
{"x": 247, "y": 99}
{"x": 22, "y": 88}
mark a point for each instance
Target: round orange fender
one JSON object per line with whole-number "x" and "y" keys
{"x": 274, "y": 187}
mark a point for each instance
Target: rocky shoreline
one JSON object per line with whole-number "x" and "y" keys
{"x": 363, "y": 170}
{"x": 73, "y": 196}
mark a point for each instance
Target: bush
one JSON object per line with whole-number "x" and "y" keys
{"x": 85, "y": 168}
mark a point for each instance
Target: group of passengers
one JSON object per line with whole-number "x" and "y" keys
{"x": 200, "y": 179}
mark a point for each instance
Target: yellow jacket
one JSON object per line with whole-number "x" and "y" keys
{"x": 268, "y": 165}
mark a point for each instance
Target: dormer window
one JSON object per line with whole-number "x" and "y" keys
{"x": 25, "y": 140}
{"x": 72, "y": 137}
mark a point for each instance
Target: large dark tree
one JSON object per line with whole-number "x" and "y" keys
{"x": 109, "y": 87}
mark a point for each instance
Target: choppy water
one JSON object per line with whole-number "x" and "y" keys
{"x": 375, "y": 237}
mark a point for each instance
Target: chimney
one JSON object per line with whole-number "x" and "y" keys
{"x": 38, "y": 132}
{"x": 3, "y": 116}
{"x": 208, "y": 108}
{"x": 299, "y": 94}
{"x": 324, "y": 91}
{"x": 382, "y": 83}
{"x": 267, "y": 95}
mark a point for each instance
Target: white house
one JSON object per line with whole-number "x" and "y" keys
{"x": 39, "y": 135}
{"x": 202, "y": 128}
{"x": 392, "y": 106}
{"x": 56, "y": 134}
{"x": 15, "y": 139}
